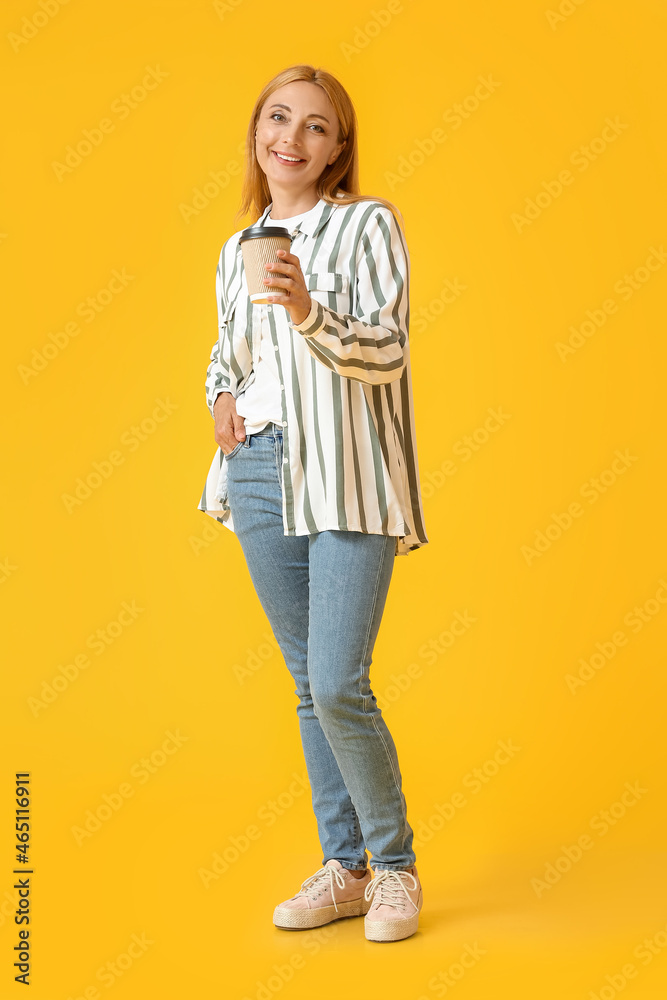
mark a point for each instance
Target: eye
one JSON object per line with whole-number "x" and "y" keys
{"x": 278, "y": 114}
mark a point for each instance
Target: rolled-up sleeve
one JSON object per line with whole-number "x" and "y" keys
{"x": 369, "y": 346}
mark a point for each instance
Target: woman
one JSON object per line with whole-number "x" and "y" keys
{"x": 317, "y": 475}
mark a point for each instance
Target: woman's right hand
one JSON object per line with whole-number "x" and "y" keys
{"x": 229, "y": 425}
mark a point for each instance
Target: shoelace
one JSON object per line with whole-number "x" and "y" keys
{"x": 322, "y": 879}
{"x": 391, "y": 888}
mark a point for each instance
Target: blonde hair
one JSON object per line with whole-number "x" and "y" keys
{"x": 339, "y": 182}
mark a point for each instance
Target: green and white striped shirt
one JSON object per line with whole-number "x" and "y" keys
{"x": 350, "y": 451}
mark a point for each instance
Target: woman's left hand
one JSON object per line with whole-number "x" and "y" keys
{"x": 288, "y": 275}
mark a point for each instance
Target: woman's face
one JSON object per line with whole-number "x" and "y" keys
{"x": 299, "y": 121}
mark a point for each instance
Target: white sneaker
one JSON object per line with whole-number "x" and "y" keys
{"x": 397, "y": 900}
{"x": 330, "y": 894}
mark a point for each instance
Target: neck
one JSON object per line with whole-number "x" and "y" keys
{"x": 285, "y": 204}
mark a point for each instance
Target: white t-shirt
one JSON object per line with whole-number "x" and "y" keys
{"x": 261, "y": 401}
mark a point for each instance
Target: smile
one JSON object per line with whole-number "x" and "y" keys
{"x": 284, "y": 158}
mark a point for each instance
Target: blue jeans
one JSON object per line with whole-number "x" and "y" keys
{"x": 324, "y": 595}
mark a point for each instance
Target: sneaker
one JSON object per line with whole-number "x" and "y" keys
{"x": 330, "y": 894}
{"x": 397, "y": 900}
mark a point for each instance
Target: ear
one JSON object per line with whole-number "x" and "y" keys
{"x": 336, "y": 155}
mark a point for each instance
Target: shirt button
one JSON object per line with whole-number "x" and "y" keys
{"x": 269, "y": 308}
{"x": 284, "y": 461}
{"x": 284, "y": 423}
{"x": 282, "y": 387}
{"x": 275, "y": 347}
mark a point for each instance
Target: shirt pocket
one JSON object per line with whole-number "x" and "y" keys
{"x": 331, "y": 288}
{"x": 228, "y": 313}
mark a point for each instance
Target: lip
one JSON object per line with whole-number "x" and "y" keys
{"x": 297, "y": 164}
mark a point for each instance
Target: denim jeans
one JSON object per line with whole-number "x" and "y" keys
{"x": 324, "y": 595}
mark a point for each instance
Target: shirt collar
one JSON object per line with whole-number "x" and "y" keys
{"x": 311, "y": 222}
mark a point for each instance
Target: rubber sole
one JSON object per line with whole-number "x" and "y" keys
{"x": 298, "y": 920}
{"x": 393, "y": 930}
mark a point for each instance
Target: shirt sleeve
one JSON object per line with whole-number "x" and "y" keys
{"x": 368, "y": 347}
{"x": 219, "y": 376}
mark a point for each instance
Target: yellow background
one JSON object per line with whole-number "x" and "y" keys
{"x": 178, "y": 665}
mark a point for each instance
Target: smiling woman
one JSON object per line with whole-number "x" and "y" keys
{"x": 305, "y": 114}
{"x": 312, "y": 400}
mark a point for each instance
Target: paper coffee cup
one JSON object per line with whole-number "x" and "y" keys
{"x": 258, "y": 246}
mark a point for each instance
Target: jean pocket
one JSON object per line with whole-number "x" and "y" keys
{"x": 234, "y": 450}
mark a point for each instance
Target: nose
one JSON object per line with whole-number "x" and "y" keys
{"x": 289, "y": 135}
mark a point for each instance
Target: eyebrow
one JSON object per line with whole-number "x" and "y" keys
{"x": 287, "y": 108}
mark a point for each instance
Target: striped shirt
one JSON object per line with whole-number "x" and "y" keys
{"x": 261, "y": 402}
{"x": 349, "y": 444}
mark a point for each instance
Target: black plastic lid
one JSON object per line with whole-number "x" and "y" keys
{"x": 256, "y": 231}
